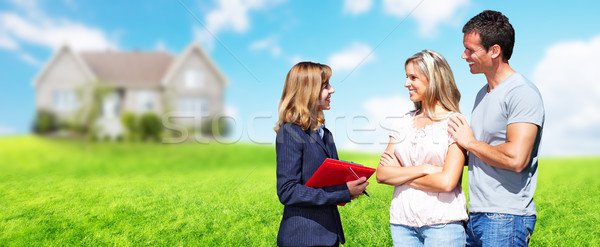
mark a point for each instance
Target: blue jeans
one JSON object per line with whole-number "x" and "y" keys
{"x": 493, "y": 229}
{"x": 451, "y": 234}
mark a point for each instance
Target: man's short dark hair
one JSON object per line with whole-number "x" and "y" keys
{"x": 493, "y": 28}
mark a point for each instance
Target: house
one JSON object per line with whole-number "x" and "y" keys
{"x": 177, "y": 88}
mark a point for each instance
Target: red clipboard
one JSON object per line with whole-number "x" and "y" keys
{"x": 336, "y": 172}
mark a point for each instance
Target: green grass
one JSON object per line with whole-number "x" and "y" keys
{"x": 59, "y": 192}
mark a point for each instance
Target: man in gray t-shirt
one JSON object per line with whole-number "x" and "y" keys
{"x": 503, "y": 139}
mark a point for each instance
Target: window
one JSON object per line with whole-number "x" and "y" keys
{"x": 192, "y": 106}
{"x": 194, "y": 78}
{"x": 145, "y": 101}
{"x": 64, "y": 100}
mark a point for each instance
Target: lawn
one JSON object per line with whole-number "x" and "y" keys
{"x": 60, "y": 192}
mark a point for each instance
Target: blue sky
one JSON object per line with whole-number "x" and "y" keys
{"x": 255, "y": 43}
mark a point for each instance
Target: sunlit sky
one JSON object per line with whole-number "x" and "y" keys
{"x": 256, "y": 42}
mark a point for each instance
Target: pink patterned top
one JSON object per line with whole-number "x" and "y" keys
{"x": 416, "y": 208}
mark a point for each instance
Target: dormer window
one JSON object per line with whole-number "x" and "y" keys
{"x": 194, "y": 78}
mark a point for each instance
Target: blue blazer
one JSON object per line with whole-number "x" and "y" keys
{"x": 310, "y": 216}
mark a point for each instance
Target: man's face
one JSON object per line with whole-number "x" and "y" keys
{"x": 475, "y": 54}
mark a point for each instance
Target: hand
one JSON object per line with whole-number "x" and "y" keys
{"x": 388, "y": 159}
{"x": 459, "y": 129}
{"x": 357, "y": 187}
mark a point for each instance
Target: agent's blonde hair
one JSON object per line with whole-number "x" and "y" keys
{"x": 441, "y": 88}
{"x": 299, "y": 102}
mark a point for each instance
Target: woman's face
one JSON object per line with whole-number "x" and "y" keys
{"x": 416, "y": 82}
{"x": 325, "y": 96}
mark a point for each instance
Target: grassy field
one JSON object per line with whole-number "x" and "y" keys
{"x": 58, "y": 192}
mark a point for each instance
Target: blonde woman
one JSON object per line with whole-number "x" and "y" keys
{"x": 423, "y": 162}
{"x": 310, "y": 216}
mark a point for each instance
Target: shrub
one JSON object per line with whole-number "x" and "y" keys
{"x": 150, "y": 126}
{"x": 215, "y": 127}
{"x": 45, "y": 122}
{"x": 129, "y": 121}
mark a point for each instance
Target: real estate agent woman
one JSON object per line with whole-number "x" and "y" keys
{"x": 310, "y": 216}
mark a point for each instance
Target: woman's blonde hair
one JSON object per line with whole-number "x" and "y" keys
{"x": 299, "y": 102}
{"x": 442, "y": 87}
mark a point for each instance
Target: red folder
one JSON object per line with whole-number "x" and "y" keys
{"x": 336, "y": 172}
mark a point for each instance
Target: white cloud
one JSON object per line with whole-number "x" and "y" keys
{"x": 356, "y": 7}
{"x": 382, "y": 114}
{"x": 428, "y": 13}
{"x": 235, "y": 124}
{"x": 351, "y": 146}
{"x": 296, "y": 59}
{"x": 270, "y": 44}
{"x": 231, "y": 111}
{"x": 72, "y": 4}
{"x": 351, "y": 57}
{"x": 381, "y": 109}
{"x": 6, "y": 131}
{"x": 204, "y": 37}
{"x": 53, "y": 33}
{"x": 30, "y": 25}
{"x": 37, "y": 29}
{"x": 567, "y": 79}
{"x": 30, "y": 6}
{"x": 6, "y": 42}
{"x": 161, "y": 46}
{"x": 229, "y": 15}
{"x": 29, "y": 59}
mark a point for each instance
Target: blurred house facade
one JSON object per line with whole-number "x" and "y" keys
{"x": 179, "y": 87}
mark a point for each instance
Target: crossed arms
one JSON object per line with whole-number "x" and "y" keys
{"x": 513, "y": 155}
{"x": 424, "y": 177}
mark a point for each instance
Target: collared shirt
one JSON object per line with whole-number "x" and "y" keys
{"x": 321, "y": 131}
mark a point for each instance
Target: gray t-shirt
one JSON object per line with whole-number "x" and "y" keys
{"x": 495, "y": 190}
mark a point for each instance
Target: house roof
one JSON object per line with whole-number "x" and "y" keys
{"x": 194, "y": 47}
{"x": 134, "y": 68}
{"x": 128, "y": 68}
{"x": 64, "y": 50}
